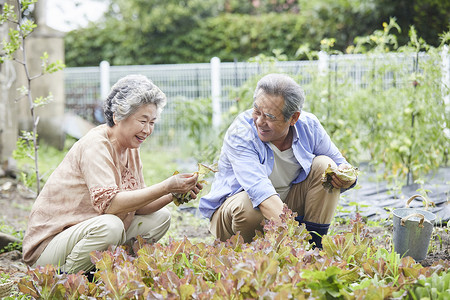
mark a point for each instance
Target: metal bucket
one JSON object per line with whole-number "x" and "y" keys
{"x": 412, "y": 230}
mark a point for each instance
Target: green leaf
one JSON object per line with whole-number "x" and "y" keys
{"x": 186, "y": 291}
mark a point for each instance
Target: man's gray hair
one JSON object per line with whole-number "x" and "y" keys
{"x": 282, "y": 85}
{"x": 128, "y": 94}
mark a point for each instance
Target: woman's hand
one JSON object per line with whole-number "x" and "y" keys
{"x": 182, "y": 183}
{"x": 179, "y": 198}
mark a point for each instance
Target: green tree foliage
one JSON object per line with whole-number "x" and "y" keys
{"x": 346, "y": 19}
{"x": 231, "y": 38}
{"x": 429, "y": 17}
{"x": 160, "y": 32}
{"x": 341, "y": 19}
{"x": 227, "y": 36}
{"x": 259, "y": 7}
{"x": 138, "y": 32}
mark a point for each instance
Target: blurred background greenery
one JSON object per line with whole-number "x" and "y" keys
{"x": 134, "y": 32}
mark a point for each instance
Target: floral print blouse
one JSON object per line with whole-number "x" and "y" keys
{"x": 80, "y": 188}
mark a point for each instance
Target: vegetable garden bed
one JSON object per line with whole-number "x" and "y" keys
{"x": 357, "y": 260}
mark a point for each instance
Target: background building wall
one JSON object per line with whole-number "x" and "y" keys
{"x": 8, "y": 109}
{"x": 15, "y": 113}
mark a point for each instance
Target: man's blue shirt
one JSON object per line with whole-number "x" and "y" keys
{"x": 246, "y": 162}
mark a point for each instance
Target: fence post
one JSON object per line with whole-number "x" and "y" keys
{"x": 216, "y": 92}
{"x": 323, "y": 63}
{"x": 104, "y": 80}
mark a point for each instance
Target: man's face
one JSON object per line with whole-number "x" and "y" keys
{"x": 269, "y": 119}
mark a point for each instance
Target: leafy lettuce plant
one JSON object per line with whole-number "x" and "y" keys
{"x": 278, "y": 264}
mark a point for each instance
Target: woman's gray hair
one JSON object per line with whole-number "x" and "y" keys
{"x": 128, "y": 94}
{"x": 285, "y": 86}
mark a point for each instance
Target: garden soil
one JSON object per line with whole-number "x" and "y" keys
{"x": 375, "y": 202}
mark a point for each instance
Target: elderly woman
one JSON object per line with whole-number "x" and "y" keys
{"x": 97, "y": 196}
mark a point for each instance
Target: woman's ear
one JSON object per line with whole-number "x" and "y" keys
{"x": 114, "y": 119}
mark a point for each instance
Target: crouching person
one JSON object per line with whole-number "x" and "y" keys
{"x": 97, "y": 196}
{"x": 274, "y": 154}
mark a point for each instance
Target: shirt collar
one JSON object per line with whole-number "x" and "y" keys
{"x": 295, "y": 132}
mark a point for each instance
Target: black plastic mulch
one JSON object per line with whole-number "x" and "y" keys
{"x": 377, "y": 199}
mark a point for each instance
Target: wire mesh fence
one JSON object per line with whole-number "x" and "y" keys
{"x": 193, "y": 81}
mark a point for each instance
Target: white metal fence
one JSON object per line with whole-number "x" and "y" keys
{"x": 85, "y": 93}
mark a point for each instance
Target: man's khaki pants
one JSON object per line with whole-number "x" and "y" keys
{"x": 308, "y": 199}
{"x": 70, "y": 250}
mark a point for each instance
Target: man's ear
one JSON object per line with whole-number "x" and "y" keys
{"x": 294, "y": 118}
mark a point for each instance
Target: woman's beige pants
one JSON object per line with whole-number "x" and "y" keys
{"x": 70, "y": 249}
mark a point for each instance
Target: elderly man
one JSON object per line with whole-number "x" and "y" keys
{"x": 272, "y": 154}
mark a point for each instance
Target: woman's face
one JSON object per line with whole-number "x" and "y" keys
{"x": 132, "y": 131}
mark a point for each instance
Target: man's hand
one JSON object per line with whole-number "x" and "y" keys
{"x": 272, "y": 208}
{"x": 343, "y": 182}
{"x": 196, "y": 190}
{"x": 340, "y": 178}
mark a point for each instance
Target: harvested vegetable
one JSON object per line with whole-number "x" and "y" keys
{"x": 203, "y": 170}
{"x": 349, "y": 174}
